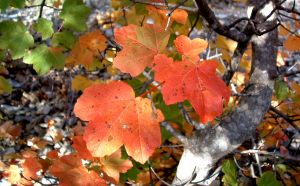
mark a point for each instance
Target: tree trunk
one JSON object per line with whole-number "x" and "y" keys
{"x": 207, "y": 146}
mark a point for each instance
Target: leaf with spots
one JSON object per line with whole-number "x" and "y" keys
{"x": 195, "y": 82}
{"x": 70, "y": 171}
{"x": 117, "y": 118}
{"x": 140, "y": 45}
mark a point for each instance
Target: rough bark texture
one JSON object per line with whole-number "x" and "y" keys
{"x": 206, "y": 147}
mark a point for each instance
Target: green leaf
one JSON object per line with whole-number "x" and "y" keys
{"x": 4, "y": 4}
{"x": 17, "y": 3}
{"x": 230, "y": 171}
{"x": 43, "y": 59}
{"x": 171, "y": 112}
{"x": 281, "y": 90}
{"x": 64, "y": 38}
{"x": 268, "y": 179}
{"x": 5, "y": 86}
{"x": 74, "y": 14}
{"x": 131, "y": 174}
{"x": 15, "y": 37}
{"x": 136, "y": 83}
{"x": 44, "y": 27}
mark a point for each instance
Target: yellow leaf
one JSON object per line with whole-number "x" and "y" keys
{"x": 113, "y": 165}
{"x": 81, "y": 82}
{"x": 226, "y": 46}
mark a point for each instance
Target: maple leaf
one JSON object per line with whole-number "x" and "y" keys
{"x": 74, "y": 13}
{"x": 70, "y": 171}
{"x": 190, "y": 49}
{"x": 44, "y": 27}
{"x": 15, "y": 37}
{"x": 80, "y": 145}
{"x": 178, "y": 15}
{"x": 44, "y": 58}
{"x": 115, "y": 118}
{"x": 95, "y": 41}
{"x": 85, "y": 50}
{"x": 140, "y": 45}
{"x": 113, "y": 165}
{"x": 195, "y": 82}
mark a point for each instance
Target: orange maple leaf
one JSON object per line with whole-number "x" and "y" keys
{"x": 190, "y": 49}
{"x": 113, "y": 165}
{"x": 115, "y": 118}
{"x": 178, "y": 15}
{"x": 80, "y": 145}
{"x": 195, "y": 82}
{"x": 95, "y": 41}
{"x": 70, "y": 171}
{"x": 88, "y": 46}
{"x": 140, "y": 45}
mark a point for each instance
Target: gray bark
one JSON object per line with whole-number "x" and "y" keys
{"x": 207, "y": 146}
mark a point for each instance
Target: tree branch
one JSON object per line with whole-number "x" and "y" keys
{"x": 213, "y": 22}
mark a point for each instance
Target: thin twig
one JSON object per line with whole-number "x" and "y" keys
{"x": 257, "y": 158}
{"x": 198, "y": 126}
{"x": 42, "y": 8}
{"x": 275, "y": 154}
{"x": 292, "y": 10}
{"x": 290, "y": 31}
{"x": 285, "y": 117}
{"x": 176, "y": 134}
{"x": 194, "y": 24}
{"x": 158, "y": 177}
{"x": 190, "y": 9}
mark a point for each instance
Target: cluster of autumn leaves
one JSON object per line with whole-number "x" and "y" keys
{"x": 115, "y": 116}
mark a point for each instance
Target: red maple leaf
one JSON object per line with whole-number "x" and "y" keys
{"x": 140, "y": 45}
{"x": 195, "y": 82}
{"x": 70, "y": 171}
{"x": 117, "y": 118}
